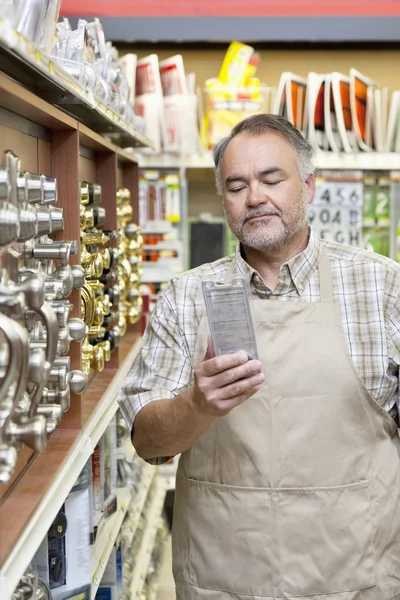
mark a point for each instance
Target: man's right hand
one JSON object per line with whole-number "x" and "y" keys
{"x": 223, "y": 382}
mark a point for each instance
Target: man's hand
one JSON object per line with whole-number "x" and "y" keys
{"x": 223, "y": 382}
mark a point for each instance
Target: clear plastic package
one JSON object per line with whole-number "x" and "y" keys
{"x": 230, "y": 317}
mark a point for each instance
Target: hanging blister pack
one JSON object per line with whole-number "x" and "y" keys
{"x": 230, "y": 317}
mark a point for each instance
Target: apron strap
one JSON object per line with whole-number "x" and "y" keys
{"x": 325, "y": 278}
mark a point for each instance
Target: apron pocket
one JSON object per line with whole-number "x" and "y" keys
{"x": 231, "y": 542}
{"x": 325, "y": 540}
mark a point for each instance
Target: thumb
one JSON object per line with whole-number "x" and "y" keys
{"x": 210, "y": 350}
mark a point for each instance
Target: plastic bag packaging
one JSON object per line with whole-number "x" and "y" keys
{"x": 36, "y": 21}
{"x": 230, "y": 316}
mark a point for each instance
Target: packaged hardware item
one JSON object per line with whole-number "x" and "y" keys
{"x": 63, "y": 558}
{"x": 229, "y": 317}
{"x": 234, "y": 68}
{"x": 361, "y": 104}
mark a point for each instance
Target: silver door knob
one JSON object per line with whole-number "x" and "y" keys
{"x": 59, "y": 377}
{"x": 61, "y": 397}
{"x": 5, "y": 186}
{"x": 31, "y": 432}
{"x": 49, "y": 219}
{"x": 74, "y": 332}
{"x": 78, "y": 382}
{"x": 8, "y": 460}
{"x": 56, "y": 251}
{"x": 9, "y": 223}
{"x": 37, "y": 368}
{"x": 53, "y": 415}
{"x": 62, "y": 308}
{"x": 50, "y": 194}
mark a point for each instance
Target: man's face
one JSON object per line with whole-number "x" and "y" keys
{"x": 265, "y": 201}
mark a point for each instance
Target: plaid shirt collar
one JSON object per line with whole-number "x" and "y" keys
{"x": 298, "y": 269}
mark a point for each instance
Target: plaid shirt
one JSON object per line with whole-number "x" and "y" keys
{"x": 366, "y": 287}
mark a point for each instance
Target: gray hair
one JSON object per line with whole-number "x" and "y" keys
{"x": 258, "y": 125}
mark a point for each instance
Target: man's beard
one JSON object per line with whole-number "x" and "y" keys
{"x": 270, "y": 234}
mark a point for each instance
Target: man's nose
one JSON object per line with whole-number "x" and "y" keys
{"x": 256, "y": 195}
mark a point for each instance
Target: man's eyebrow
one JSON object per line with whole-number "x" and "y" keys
{"x": 271, "y": 171}
{"x": 264, "y": 173}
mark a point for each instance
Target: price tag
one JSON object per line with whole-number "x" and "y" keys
{"x": 51, "y": 67}
{"x": 38, "y": 57}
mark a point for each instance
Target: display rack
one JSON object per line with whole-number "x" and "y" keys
{"x": 147, "y": 546}
{"x": 49, "y": 141}
{"x": 368, "y": 161}
{"x": 108, "y": 533}
{"x": 25, "y": 63}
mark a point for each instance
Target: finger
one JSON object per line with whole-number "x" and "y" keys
{"x": 218, "y": 364}
{"x": 238, "y": 388}
{"x": 225, "y": 406}
{"x": 250, "y": 368}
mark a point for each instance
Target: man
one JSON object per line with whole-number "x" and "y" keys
{"x": 289, "y": 480}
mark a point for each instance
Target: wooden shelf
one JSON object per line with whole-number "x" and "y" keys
{"x": 28, "y": 511}
{"x": 97, "y": 143}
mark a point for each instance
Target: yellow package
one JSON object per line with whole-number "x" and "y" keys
{"x": 251, "y": 68}
{"x": 233, "y": 69}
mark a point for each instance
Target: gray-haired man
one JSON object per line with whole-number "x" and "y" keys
{"x": 289, "y": 480}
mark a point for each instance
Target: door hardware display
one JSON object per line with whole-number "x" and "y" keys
{"x": 36, "y": 329}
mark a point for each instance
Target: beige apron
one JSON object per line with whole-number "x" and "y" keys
{"x": 295, "y": 493}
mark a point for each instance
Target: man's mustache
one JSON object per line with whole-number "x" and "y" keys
{"x": 260, "y": 213}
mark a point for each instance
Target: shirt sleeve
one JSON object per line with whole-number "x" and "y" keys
{"x": 394, "y": 332}
{"x": 162, "y": 368}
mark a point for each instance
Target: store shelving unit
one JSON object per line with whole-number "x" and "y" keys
{"x": 22, "y": 61}
{"x": 48, "y": 480}
{"x": 369, "y": 161}
{"x": 147, "y": 546}
{"x": 106, "y": 537}
{"x": 53, "y": 142}
{"x": 108, "y": 532}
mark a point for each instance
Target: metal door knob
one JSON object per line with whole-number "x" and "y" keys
{"x": 32, "y": 433}
{"x": 77, "y": 329}
{"x": 60, "y": 397}
{"x": 78, "y": 382}
{"x": 62, "y": 308}
{"x": 55, "y": 251}
{"x": 8, "y": 460}
{"x": 28, "y": 223}
{"x": 94, "y": 237}
{"x": 50, "y": 220}
{"x": 49, "y": 186}
{"x": 99, "y": 216}
{"x": 33, "y": 288}
{"x": 24, "y": 591}
{"x": 12, "y": 305}
{"x": 74, "y": 332}
{"x": 59, "y": 377}
{"x": 37, "y": 368}
{"x": 90, "y": 194}
{"x": 5, "y": 186}
{"x": 132, "y": 231}
{"x": 52, "y": 413}
{"x": 9, "y": 223}
{"x": 114, "y": 295}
